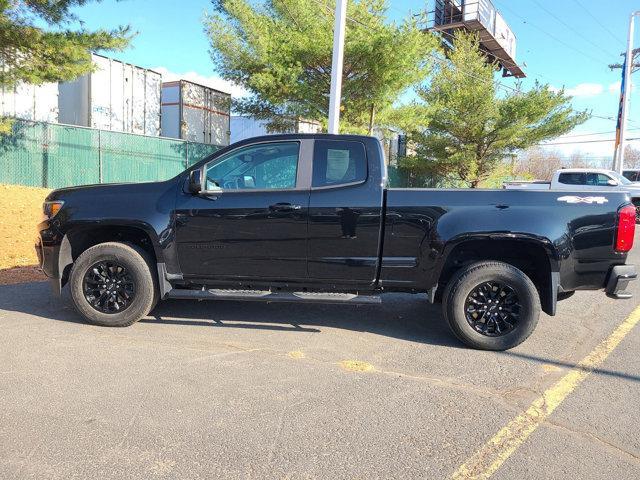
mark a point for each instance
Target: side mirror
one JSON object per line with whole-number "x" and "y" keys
{"x": 612, "y": 183}
{"x": 195, "y": 181}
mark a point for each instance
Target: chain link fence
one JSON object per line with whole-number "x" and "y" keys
{"x": 54, "y": 156}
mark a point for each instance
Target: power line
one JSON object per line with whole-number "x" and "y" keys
{"x": 588, "y": 40}
{"x": 613, "y": 119}
{"x": 441, "y": 60}
{"x": 536, "y": 77}
{"x": 594, "y": 134}
{"x": 539, "y": 76}
{"x": 559, "y": 40}
{"x": 586, "y": 141}
{"x": 597, "y": 20}
{"x": 432, "y": 55}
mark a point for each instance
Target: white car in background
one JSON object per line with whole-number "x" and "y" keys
{"x": 584, "y": 179}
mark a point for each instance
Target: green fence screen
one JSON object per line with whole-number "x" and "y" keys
{"x": 53, "y": 156}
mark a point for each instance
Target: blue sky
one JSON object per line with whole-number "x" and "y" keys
{"x": 570, "y": 51}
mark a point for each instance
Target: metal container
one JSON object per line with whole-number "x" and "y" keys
{"x": 247, "y": 127}
{"x": 117, "y": 96}
{"x": 38, "y": 103}
{"x": 195, "y": 113}
{"x": 479, "y": 16}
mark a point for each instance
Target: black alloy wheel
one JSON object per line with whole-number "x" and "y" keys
{"x": 491, "y": 305}
{"x": 108, "y": 287}
{"x": 493, "y": 308}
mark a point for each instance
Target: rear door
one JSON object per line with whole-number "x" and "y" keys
{"x": 345, "y": 211}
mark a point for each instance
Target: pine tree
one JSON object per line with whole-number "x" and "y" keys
{"x": 38, "y": 43}
{"x": 281, "y": 52}
{"x": 464, "y": 126}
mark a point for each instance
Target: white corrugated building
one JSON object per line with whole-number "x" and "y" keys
{"x": 118, "y": 96}
{"x": 195, "y": 112}
{"x": 247, "y": 127}
{"x": 38, "y": 103}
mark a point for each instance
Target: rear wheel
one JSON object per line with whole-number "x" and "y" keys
{"x": 112, "y": 284}
{"x": 491, "y": 305}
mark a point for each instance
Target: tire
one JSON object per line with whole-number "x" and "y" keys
{"x": 477, "y": 281}
{"x": 125, "y": 262}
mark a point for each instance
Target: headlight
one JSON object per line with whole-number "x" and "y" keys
{"x": 50, "y": 209}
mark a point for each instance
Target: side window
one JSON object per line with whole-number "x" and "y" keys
{"x": 572, "y": 178}
{"x": 256, "y": 167}
{"x": 598, "y": 180}
{"x": 337, "y": 162}
{"x": 603, "y": 180}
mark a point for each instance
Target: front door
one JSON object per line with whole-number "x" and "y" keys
{"x": 251, "y": 219}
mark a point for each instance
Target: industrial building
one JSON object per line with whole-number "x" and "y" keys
{"x": 195, "y": 113}
{"x": 117, "y": 96}
{"x": 246, "y": 127}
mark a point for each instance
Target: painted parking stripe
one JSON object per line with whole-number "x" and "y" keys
{"x": 486, "y": 461}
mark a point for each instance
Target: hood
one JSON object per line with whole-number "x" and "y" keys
{"x": 106, "y": 190}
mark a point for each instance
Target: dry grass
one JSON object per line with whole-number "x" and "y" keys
{"x": 20, "y": 213}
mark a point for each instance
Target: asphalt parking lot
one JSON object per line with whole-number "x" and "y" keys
{"x": 244, "y": 390}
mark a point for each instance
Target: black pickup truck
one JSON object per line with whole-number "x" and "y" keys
{"x": 308, "y": 218}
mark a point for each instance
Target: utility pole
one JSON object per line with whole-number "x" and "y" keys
{"x": 336, "y": 66}
{"x": 622, "y": 66}
{"x": 629, "y": 62}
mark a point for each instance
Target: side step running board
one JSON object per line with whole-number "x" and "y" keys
{"x": 269, "y": 296}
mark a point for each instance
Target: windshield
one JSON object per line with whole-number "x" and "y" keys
{"x": 620, "y": 179}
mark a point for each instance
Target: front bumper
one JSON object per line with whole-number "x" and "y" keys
{"x": 48, "y": 250}
{"x": 619, "y": 278}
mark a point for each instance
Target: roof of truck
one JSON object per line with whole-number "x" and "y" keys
{"x": 585, "y": 170}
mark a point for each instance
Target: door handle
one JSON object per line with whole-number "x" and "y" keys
{"x": 284, "y": 207}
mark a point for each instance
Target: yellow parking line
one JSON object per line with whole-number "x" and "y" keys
{"x": 486, "y": 461}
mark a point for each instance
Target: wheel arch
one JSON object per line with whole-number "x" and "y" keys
{"x": 82, "y": 237}
{"x": 536, "y": 257}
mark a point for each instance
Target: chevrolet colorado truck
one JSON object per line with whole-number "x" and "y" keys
{"x": 309, "y": 218}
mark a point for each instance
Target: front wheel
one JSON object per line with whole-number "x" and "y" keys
{"x": 491, "y": 305}
{"x": 112, "y": 285}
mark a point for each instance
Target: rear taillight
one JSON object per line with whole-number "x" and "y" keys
{"x": 626, "y": 228}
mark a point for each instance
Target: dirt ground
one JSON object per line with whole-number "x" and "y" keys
{"x": 20, "y": 213}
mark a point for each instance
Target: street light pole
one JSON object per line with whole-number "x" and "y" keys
{"x": 336, "y": 66}
{"x": 627, "y": 92}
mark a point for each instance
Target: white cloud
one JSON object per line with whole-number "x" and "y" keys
{"x": 212, "y": 81}
{"x": 615, "y": 87}
{"x": 583, "y": 90}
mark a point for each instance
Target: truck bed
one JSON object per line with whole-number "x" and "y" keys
{"x": 423, "y": 225}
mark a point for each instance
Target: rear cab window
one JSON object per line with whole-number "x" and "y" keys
{"x": 338, "y": 163}
{"x": 575, "y": 178}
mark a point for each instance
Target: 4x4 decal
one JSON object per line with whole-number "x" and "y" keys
{"x": 575, "y": 199}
